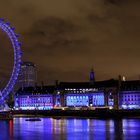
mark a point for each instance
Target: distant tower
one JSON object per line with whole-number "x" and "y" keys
{"x": 28, "y": 75}
{"x": 92, "y": 76}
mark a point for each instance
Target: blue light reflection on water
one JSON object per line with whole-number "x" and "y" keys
{"x": 70, "y": 129}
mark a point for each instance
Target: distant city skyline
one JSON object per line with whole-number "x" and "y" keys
{"x": 65, "y": 39}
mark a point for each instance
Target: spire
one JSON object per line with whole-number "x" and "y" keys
{"x": 92, "y": 76}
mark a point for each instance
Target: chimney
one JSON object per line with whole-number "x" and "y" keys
{"x": 119, "y": 82}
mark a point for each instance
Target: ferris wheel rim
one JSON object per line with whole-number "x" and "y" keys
{"x": 5, "y": 26}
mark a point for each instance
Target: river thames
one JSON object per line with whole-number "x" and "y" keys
{"x": 70, "y": 129}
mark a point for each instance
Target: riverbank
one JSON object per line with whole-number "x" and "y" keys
{"x": 79, "y": 113}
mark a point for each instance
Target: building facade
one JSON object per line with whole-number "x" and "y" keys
{"x": 27, "y": 75}
{"x": 130, "y": 95}
{"x": 98, "y": 95}
{"x": 34, "y": 98}
{"x": 111, "y": 94}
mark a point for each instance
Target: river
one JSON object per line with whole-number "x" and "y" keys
{"x": 70, "y": 129}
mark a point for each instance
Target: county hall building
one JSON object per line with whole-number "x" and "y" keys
{"x": 111, "y": 94}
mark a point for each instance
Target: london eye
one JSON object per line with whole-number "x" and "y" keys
{"x": 13, "y": 37}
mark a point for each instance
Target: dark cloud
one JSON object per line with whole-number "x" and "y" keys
{"x": 54, "y": 35}
{"x": 114, "y": 2}
{"x": 52, "y": 31}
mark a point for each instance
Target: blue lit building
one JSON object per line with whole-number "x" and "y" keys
{"x": 111, "y": 94}
{"x": 73, "y": 94}
{"x": 129, "y": 96}
{"x": 97, "y": 99}
{"x": 34, "y": 98}
{"x": 84, "y": 94}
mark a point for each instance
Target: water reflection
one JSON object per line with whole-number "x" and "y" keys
{"x": 70, "y": 129}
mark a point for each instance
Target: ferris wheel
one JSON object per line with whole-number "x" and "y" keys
{"x": 5, "y": 26}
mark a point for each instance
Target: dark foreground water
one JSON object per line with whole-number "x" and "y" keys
{"x": 70, "y": 129}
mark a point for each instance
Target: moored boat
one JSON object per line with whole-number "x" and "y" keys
{"x": 33, "y": 119}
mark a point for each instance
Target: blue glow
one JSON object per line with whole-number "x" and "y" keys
{"x": 77, "y": 100}
{"x": 38, "y": 102}
{"x": 91, "y": 75}
{"x": 110, "y": 100}
{"x": 130, "y": 100}
{"x": 84, "y": 99}
{"x": 57, "y": 102}
{"x": 5, "y": 26}
{"x": 98, "y": 99}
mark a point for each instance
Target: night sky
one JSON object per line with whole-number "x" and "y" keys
{"x": 66, "y": 38}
